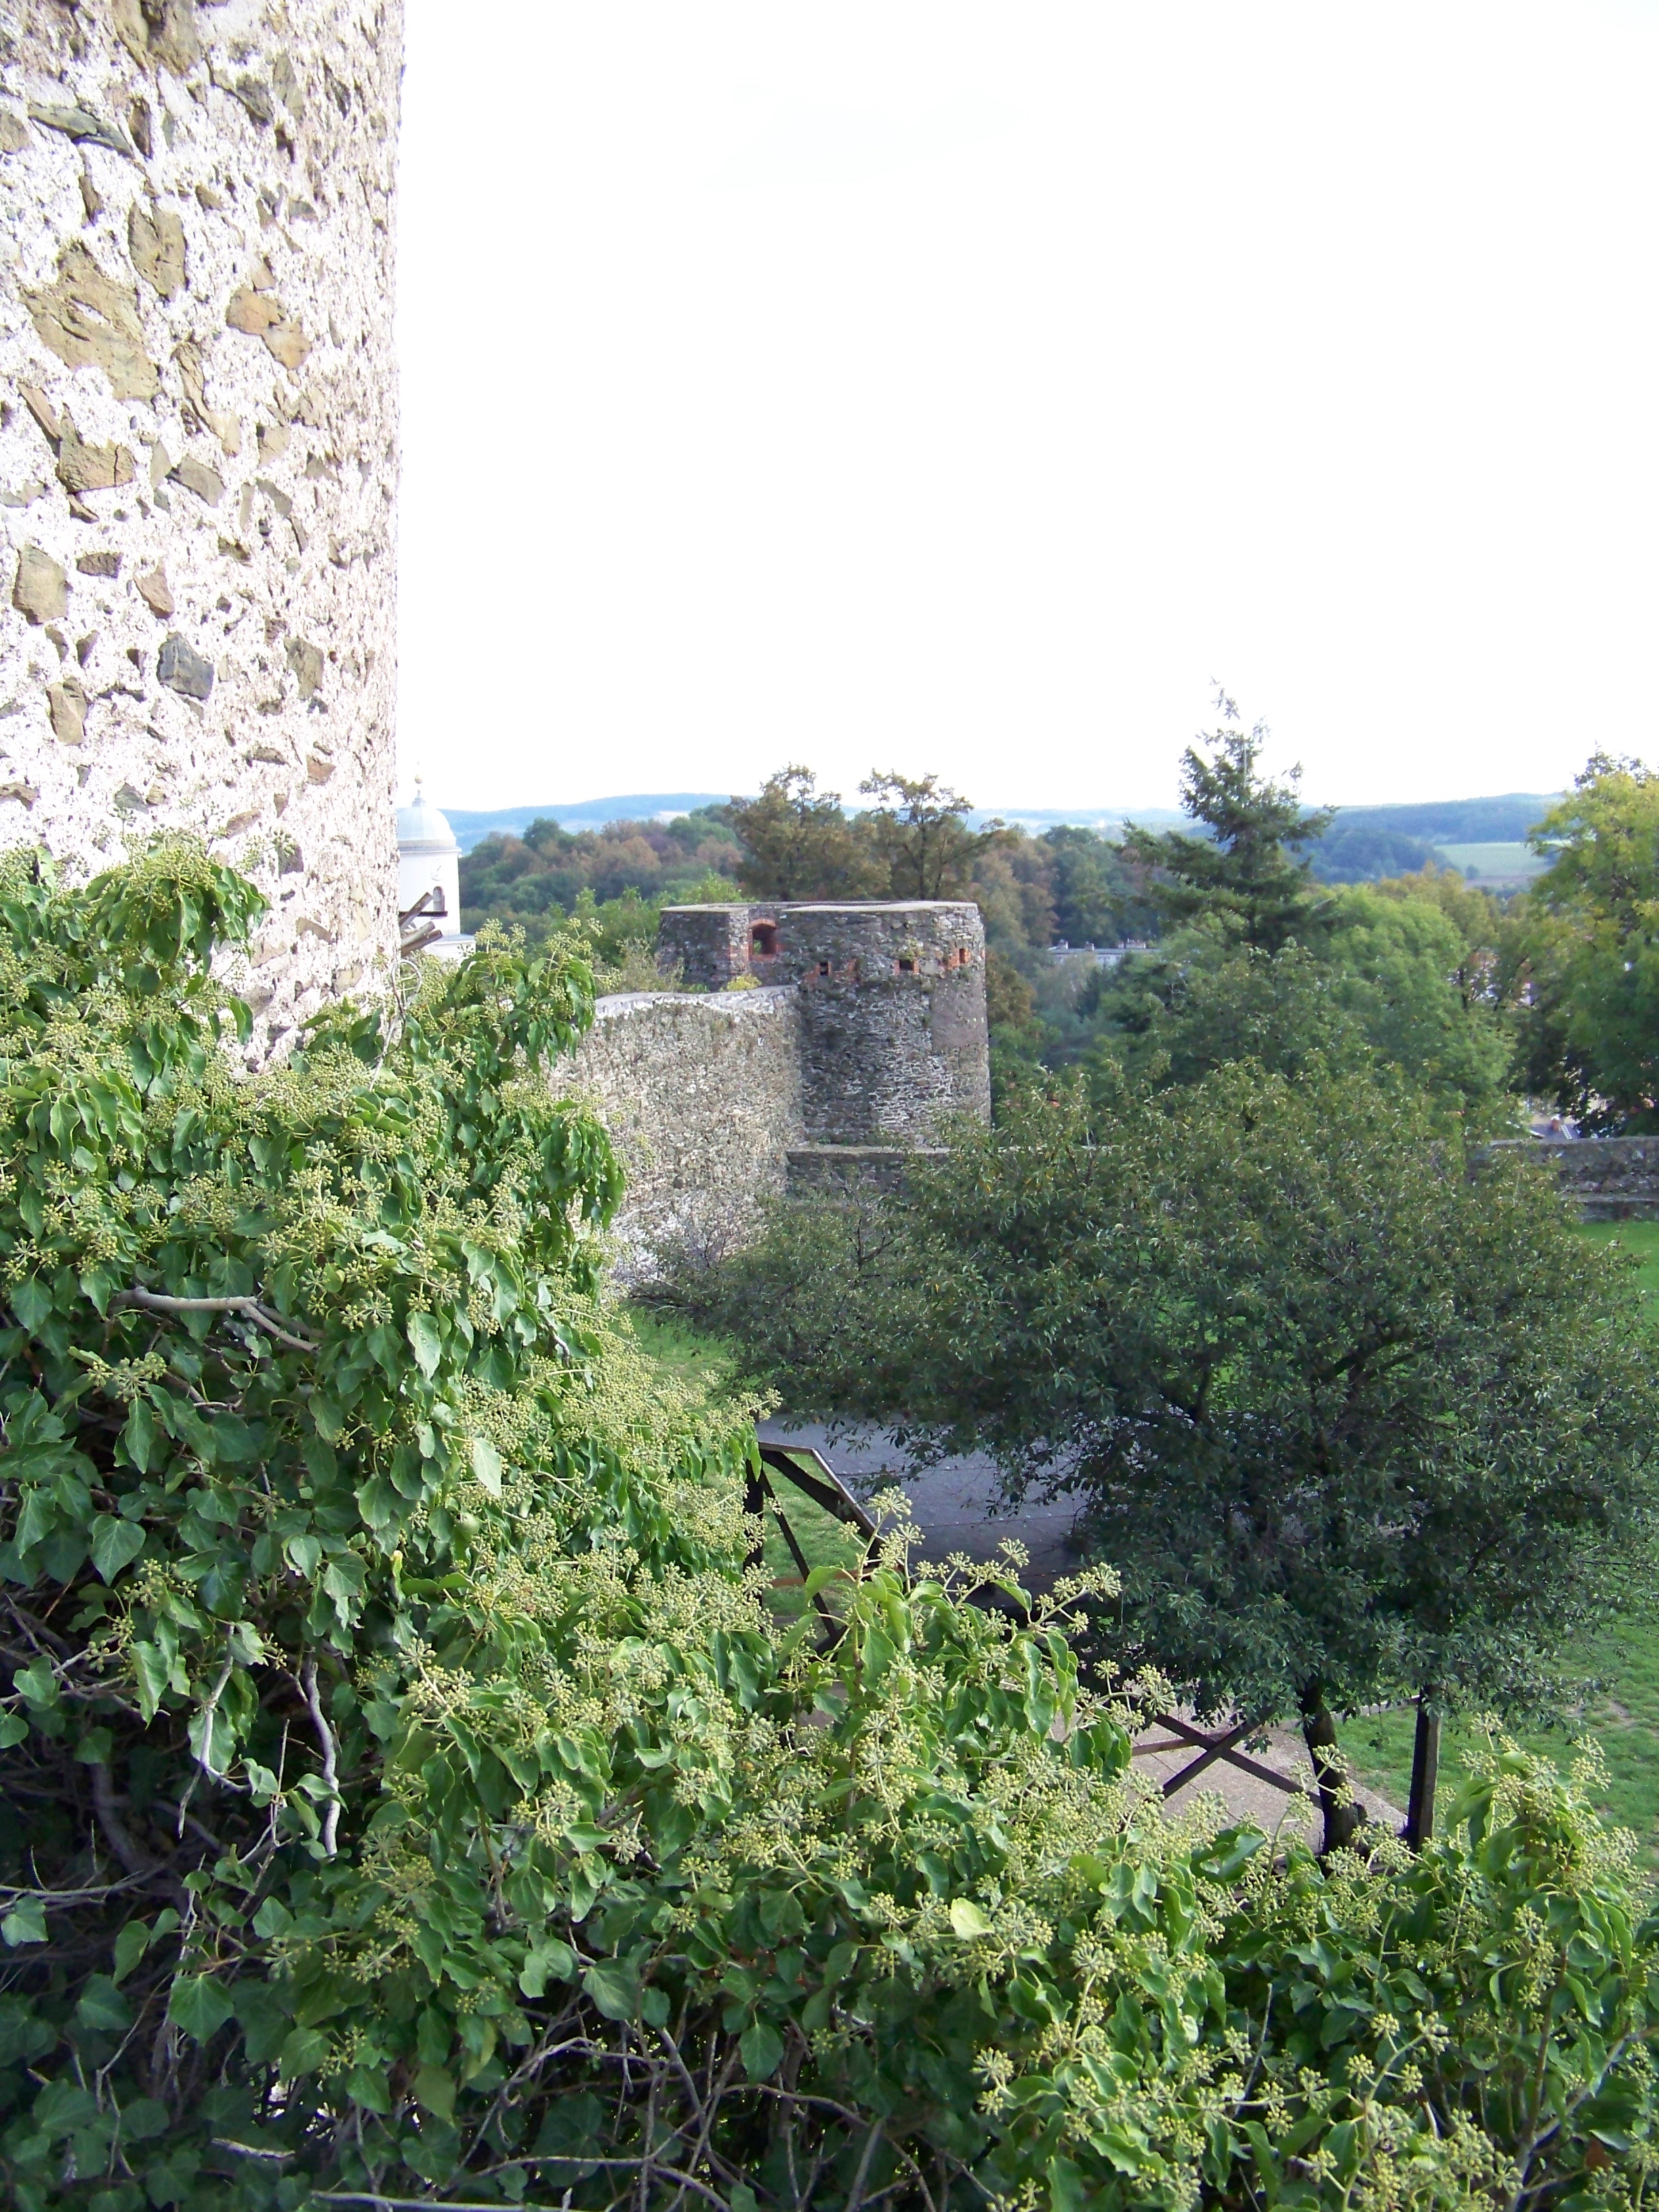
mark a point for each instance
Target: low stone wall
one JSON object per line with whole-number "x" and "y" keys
{"x": 1608, "y": 1178}
{"x": 701, "y": 1095}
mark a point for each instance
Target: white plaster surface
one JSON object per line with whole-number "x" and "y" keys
{"x": 261, "y": 371}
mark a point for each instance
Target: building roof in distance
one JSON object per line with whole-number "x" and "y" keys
{"x": 422, "y": 829}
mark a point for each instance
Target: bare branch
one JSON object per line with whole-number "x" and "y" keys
{"x": 138, "y": 1862}
{"x": 330, "y": 1771}
{"x": 154, "y": 1301}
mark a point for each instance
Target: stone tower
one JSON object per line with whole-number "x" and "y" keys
{"x": 198, "y": 454}
{"x": 893, "y": 1037}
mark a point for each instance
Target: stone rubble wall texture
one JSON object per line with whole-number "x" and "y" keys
{"x": 701, "y": 1097}
{"x": 866, "y": 1040}
{"x": 895, "y": 1041}
{"x": 1608, "y": 1178}
{"x": 198, "y": 456}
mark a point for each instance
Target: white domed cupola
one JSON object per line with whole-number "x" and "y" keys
{"x": 429, "y": 872}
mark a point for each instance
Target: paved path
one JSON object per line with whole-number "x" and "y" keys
{"x": 958, "y": 1506}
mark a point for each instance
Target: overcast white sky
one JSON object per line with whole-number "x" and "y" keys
{"x": 965, "y": 387}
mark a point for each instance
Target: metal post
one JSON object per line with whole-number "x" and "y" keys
{"x": 1425, "y": 1762}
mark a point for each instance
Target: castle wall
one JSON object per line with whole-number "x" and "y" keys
{"x": 702, "y": 1096}
{"x": 197, "y": 455}
{"x": 710, "y": 944}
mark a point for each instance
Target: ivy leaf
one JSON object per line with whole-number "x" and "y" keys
{"x": 213, "y": 1739}
{"x": 143, "y": 2119}
{"x": 486, "y": 1465}
{"x": 548, "y": 1962}
{"x": 428, "y": 1347}
{"x": 305, "y": 1555}
{"x": 25, "y": 1923}
{"x": 150, "y": 1667}
{"x": 102, "y": 2005}
{"x": 614, "y": 1988}
{"x": 761, "y": 2047}
{"x": 37, "y": 1683}
{"x": 968, "y": 1920}
{"x": 13, "y": 1728}
{"x": 434, "y": 2087}
{"x": 130, "y": 1946}
{"x": 115, "y": 1544}
{"x": 1068, "y": 2192}
{"x": 303, "y": 2051}
{"x": 200, "y": 2005}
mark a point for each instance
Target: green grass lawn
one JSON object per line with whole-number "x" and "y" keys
{"x": 684, "y": 1352}
{"x": 1621, "y": 1712}
{"x": 824, "y": 1541}
{"x": 1515, "y": 863}
{"x": 1640, "y": 1240}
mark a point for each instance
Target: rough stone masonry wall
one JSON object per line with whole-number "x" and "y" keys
{"x": 1608, "y": 1178}
{"x": 197, "y": 454}
{"x": 893, "y": 1025}
{"x": 702, "y": 1096}
{"x": 894, "y": 1042}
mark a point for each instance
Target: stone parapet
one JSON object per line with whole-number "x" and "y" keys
{"x": 894, "y": 1040}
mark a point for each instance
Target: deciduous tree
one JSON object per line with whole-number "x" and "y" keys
{"x": 1347, "y": 1420}
{"x": 799, "y": 844}
{"x": 1585, "y": 951}
{"x": 917, "y": 826}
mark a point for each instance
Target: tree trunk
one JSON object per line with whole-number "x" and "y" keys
{"x": 1342, "y": 1822}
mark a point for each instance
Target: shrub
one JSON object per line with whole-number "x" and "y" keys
{"x": 409, "y": 1799}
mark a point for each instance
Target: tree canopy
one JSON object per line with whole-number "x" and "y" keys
{"x": 1402, "y": 981}
{"x": 1347, "y": 1421}
{"x": 799, "y": 844}
{"x": 1585, "y": 951}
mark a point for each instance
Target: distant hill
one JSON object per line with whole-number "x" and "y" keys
{"x": 1362, "y": 843}
{"x": 1483, "y": 838}
{"x": 472, "y": 829}
{"x": 1455, "y": 821}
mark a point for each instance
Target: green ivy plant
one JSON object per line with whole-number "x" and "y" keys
{"x": 409, "y": 1798}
